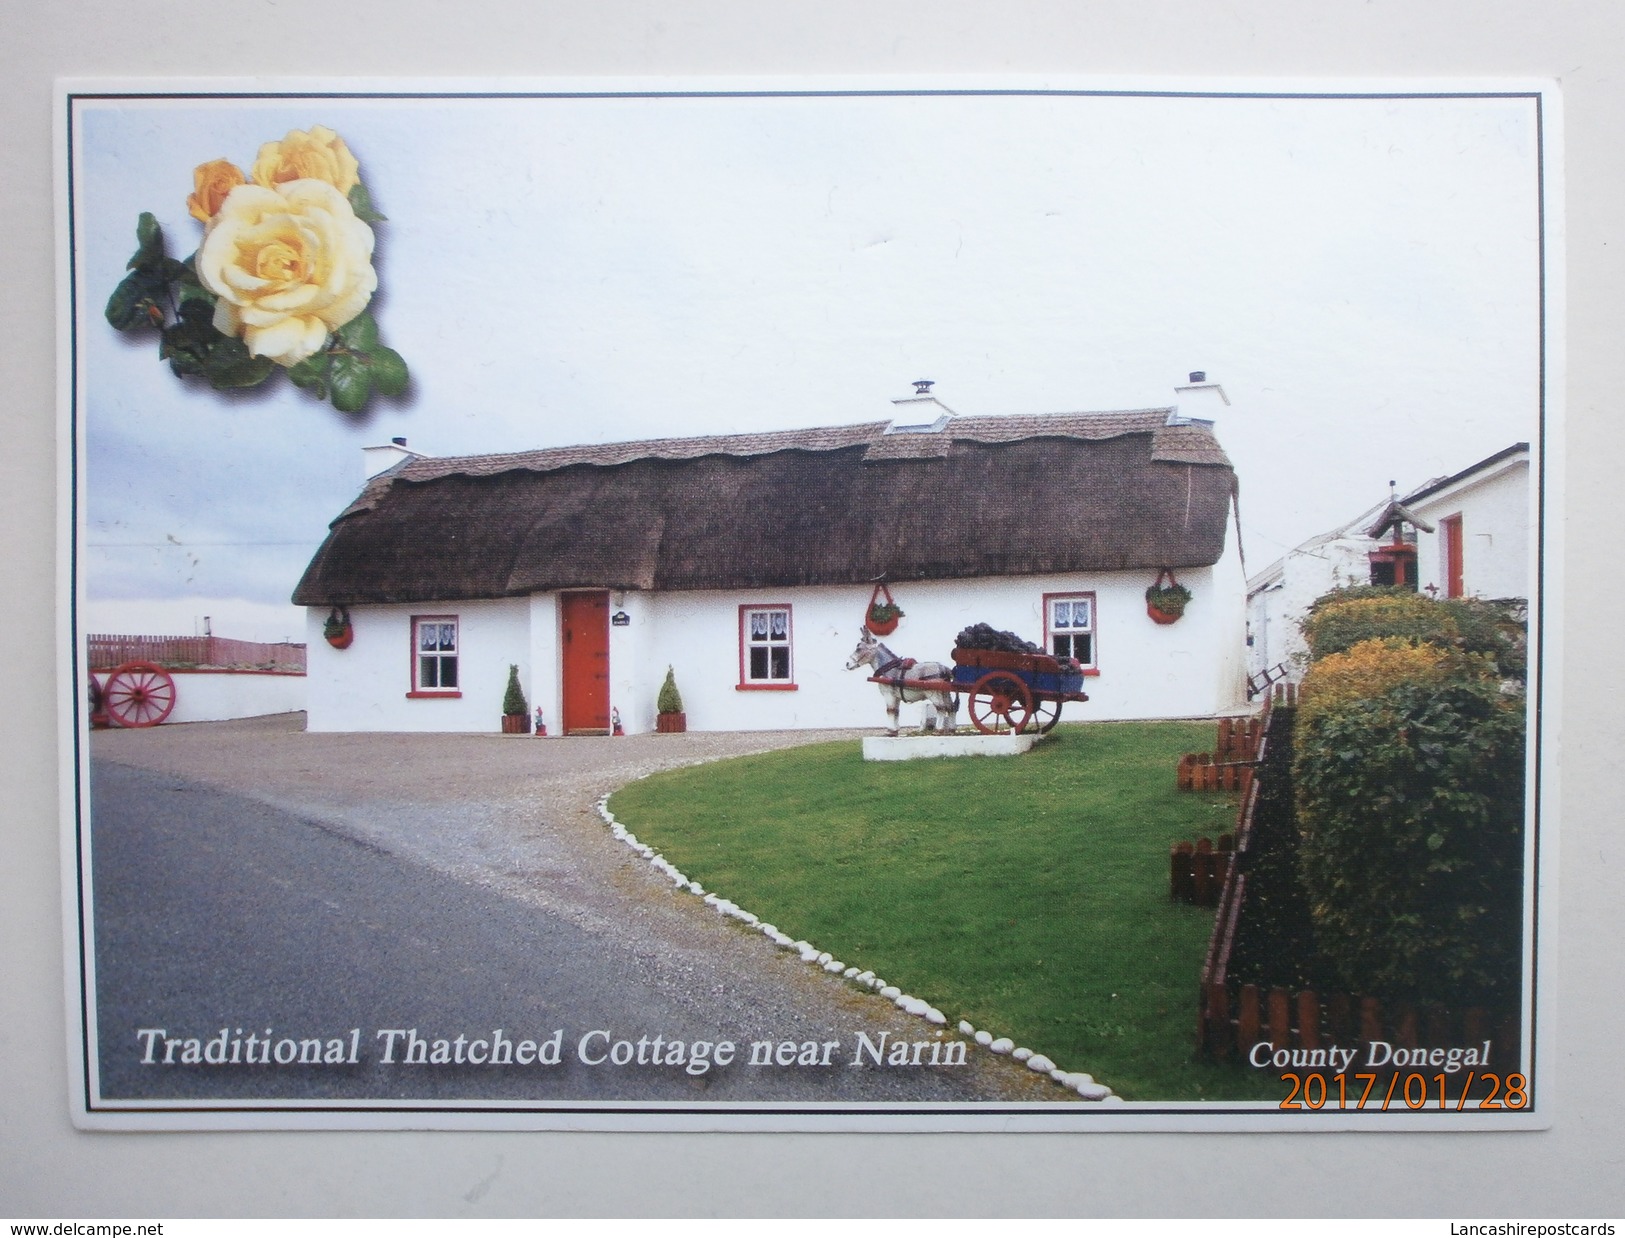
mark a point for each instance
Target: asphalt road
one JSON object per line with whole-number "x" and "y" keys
{"x": 292, "y": 915}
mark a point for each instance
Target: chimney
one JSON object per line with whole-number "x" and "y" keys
{"x": 380, "y": 459}
{"x": 920, "y": 413}
{"x": 1197, "y": 400}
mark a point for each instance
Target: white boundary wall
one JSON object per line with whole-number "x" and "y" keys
{"x": 214, "y": 696}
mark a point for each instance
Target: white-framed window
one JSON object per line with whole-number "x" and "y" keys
{"x": 434, "y": 656}
{"x": 1069, "y": 627}
{"x": 765, "y": 658}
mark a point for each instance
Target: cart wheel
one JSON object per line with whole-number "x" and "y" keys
{"x": 1000, "y": 702}
{"x": 1046, "y": 713}
{"x": 138, "y": 694}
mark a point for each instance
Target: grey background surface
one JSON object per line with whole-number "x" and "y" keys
{"x": 49, "y": 1170}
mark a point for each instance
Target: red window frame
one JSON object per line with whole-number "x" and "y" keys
{"x": 747, "y": 684}
{"x": 414, "y": 666}
{"x": 1092, "y": 667}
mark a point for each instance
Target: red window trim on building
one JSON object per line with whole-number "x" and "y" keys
{"x": 1093, "y": 668}
{"x": 417, "y": 692}
{"x": 746, "y": 684}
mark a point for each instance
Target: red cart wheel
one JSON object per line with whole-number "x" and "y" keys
{"x": 138, "y": 694}
{"x": 1046, "y": 713}
{"x": 1000, "y": 702}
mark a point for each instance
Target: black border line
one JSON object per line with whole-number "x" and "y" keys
{"x": 1067, "y": 1113}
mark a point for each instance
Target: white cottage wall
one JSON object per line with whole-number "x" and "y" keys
{"x": 366, "y": 687}
{"x": 546, "y": 683}
{"x": 1193, "y": 668}
{"x": 1276, "y": 610}
{"x": 1495, "y": 523}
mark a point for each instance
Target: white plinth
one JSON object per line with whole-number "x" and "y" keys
{"x": 925, "y": 747}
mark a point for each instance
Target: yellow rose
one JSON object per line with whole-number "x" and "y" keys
{"x": 319, "y": 155}
{"x": 289, "y": 264}
{"x": 211, "y": 182}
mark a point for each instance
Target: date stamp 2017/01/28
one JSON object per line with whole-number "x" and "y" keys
{"x": 1414, "y": 1090}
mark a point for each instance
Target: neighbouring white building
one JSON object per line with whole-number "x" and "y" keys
{"x": 747, "y": 564}
{"x": 1473, "y": 539}
{"x": 1466, "y": 535}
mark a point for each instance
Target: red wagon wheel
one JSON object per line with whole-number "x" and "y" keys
{"x": 1000, "y": 702}
{"x": 138, "y": 694}
{"x": 1046, "y": 713}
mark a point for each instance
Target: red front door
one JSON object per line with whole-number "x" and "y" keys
{"x": 586, "y": 663}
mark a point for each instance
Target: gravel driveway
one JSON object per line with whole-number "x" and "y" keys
{"x": 514, "y": 814}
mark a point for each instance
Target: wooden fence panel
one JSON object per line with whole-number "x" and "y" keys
{"x": 107, "y": 652}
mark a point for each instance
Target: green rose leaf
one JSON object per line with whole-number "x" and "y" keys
{"x": 361, "y": 333}
{"x": 187, "y": 344}
{"x": 351, "y": 384}
{"x": 149, "y": 241}
{"x": 361, "y": 204}
{"x": 199, "y": 310}
{"x": 389, "y": 373}
{"x": 134, "y": 300}
{"x": 229, "y": 365}
{"x": 311, "y": 375}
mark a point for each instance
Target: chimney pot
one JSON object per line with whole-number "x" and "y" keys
{"x": 922, "y": 386}
{"x": 1198, "y": 376}
{"x": 398, "y": 441}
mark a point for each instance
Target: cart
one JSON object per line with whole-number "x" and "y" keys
{"x": 134, "y": 694}
{"x": 1015, "y": 692}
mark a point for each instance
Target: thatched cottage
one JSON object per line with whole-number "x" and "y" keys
{"x": 747, "y": 564}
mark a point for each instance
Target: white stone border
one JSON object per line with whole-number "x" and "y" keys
{"x": 1076, "y": 1081}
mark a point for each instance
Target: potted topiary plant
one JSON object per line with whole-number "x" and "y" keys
{"x": 337, "y": 629}
{"x": 669, "y": 715}
{"x": 1165, "y": 603}
{"x": 515, "y": 710}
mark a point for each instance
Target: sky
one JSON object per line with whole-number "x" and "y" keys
{"x": 1360, "y": 274}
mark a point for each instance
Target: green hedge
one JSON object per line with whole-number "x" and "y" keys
{"x": 1339, "y": 621}
{"x": 1410, "y": 807}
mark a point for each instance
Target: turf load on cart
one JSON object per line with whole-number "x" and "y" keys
{"x": 1011, "y": 683}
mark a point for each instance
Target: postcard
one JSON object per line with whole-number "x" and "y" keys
{"x": 926, "y": 605}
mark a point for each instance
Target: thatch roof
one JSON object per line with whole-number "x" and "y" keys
{"x": 986, "y": 496}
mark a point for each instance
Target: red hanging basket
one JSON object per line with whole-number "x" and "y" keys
{"x": 1166, "y": 603}
{"x": 338, "y": 630}
{"x": 883, "y": 613}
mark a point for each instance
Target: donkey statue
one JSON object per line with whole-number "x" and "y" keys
{"x": 899, "y": 678}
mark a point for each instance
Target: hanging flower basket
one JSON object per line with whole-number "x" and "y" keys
{"x": 337, "y": 629}
{"x": 1165, "y": 603}
{"x": 883, "y": 613}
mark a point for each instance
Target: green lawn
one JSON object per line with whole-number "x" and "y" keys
{"x": 1028, "y": 895}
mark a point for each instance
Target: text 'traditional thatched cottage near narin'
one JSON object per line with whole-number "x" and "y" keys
{"x": 747, "y": 563}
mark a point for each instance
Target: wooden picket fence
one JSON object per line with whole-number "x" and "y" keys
{"x": 1229, "y": 767}
{"x": 195, "y": 653}
{"x": 1198, "y": 771}
{"x": 1196, "y": 871}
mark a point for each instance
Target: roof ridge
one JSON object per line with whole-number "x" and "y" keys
{"x": 763, "y": 442}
